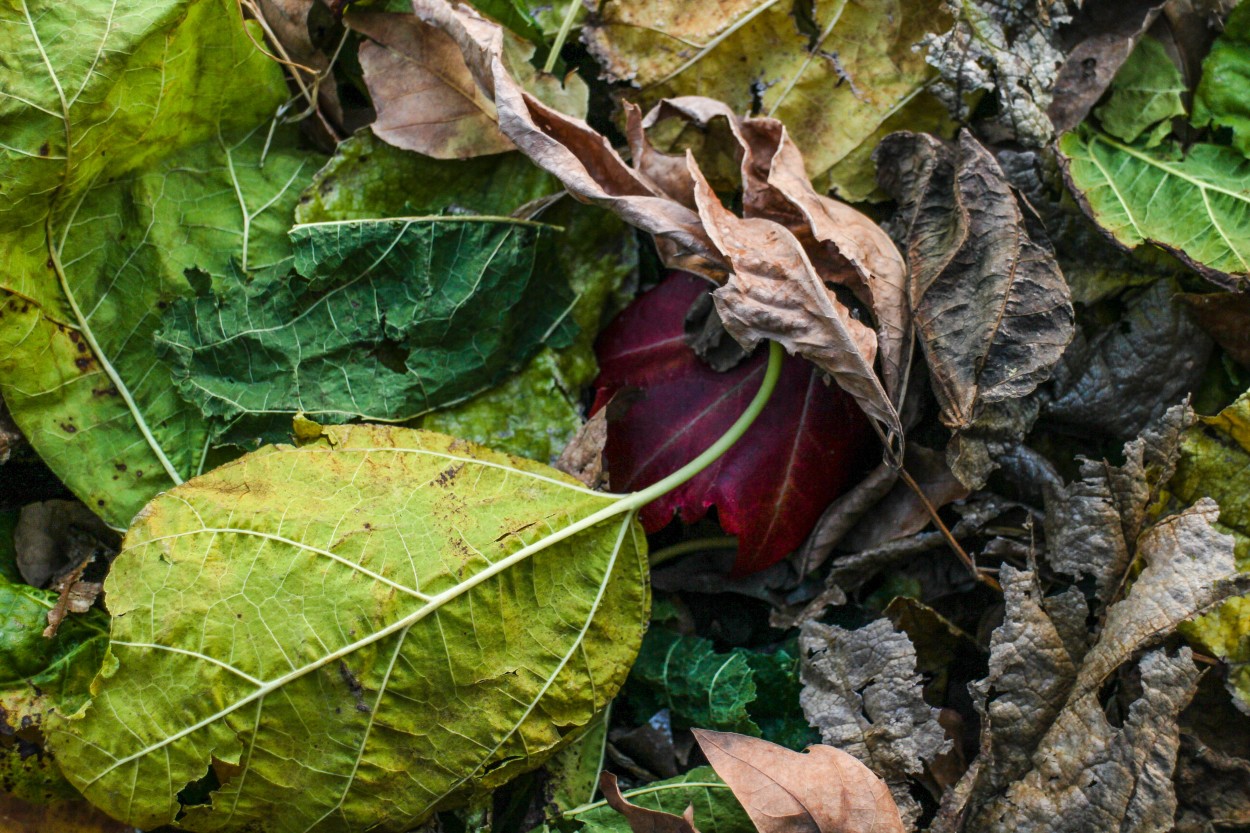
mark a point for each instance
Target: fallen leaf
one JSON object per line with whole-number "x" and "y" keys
{"x": 834, "y": 78}
{"x": 771, "y": 506}
{"x": 991, "y": 308}
{"x": 427, "y": 99}
{"x": 1145, "y": 95}
{"x": 385, "y": 320}
{"x": 314, "y": 705}
{"x": 55, "y": 536}
{"x": 862, "y": 691}
{"x": 1117, "y": 378}
{"x": 715, "y": 808}
{"x": 147, "y": 172}
{"x": 1188, "y": 203}
{"x": 1219, "y": 100}
{"x": 1108, "y": 37}
{"x": 1226, "y": 318}
{"x": 642, "y": 819}
{"x": 583, "y": 456}
{"x": 305, "y": 35}
{"x": 842, "y": 515}
{"x": 901, "y": 512}
{"x": 822, "y": 790}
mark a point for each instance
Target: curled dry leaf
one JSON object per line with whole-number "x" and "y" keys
{"x": 642, "y": 819}
{"x": 822, "y": 790}
{"x": 774, "y": 262}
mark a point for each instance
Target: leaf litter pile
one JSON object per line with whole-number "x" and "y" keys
{"x": 791, "y": 416}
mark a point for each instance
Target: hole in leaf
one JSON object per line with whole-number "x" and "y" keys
{"x": 392, "y": 355}
{"x": 200, "y": 791}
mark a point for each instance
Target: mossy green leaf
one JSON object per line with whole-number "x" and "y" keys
{"x": 383, "y": 320}
{"x": 1145, "y": 93}
{"x": 1194, "y": 204}
{"x": 1215, "y": 463}
{"x": 354, "y": 634}
{"x": 1221, "y": 100}
{"x": 131, "y": 155}
{"x": 716, "y": 810}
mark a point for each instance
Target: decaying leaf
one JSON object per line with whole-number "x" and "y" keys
{"x": 385, "y": 320}
{"x": 1118, "y": 378}
{"x": 861, "y": 690}
{"x": 120, "y": 176}
{"x": 833, "y": 72}
{"x": 991, "y": 308}
{"x": 715, "y": 808}
{"x": 821, "y": 790}
{"x": 1191, "y": 204}
{"x": 1226, "y": 318}
{"x": 306, "y": 38}
{"x": 1008, "y": 49}
{"x": 54, "y": 536}
{"x": 583, "y": 456}
{"x": 683, "y": 405}
{"x": 426, "y": 98}
{"x": 481, "y": 617}
{"x": 643, "y": 819}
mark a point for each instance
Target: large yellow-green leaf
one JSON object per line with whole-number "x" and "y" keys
{"x": 354, "y": 633}
{"x": 130, "y": 154}
{"x": 1196, "y": 204}
{"x": 1215, "y": 462}
{"x": 834, "y": 79}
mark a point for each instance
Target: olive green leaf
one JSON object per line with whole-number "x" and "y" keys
{"x": 1146, "y": 93}
{"x": 1221, "y": 97}
{"x": 535, "y": 412}
{"x": 385, "y": 320}
{"x": 716, "y": 810}
{"x": 1215, "y": 462}
{"x": 126, "y": 160}
{"x": 834, "y": 76}
{"x": 355, "y": 633}
{"x": 1196, "y": 205}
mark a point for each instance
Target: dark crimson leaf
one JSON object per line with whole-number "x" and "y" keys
{"x": 805, "y": 449}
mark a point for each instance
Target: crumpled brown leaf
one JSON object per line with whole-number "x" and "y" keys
{"x": 426, "y": 98}
{"x": 641, "y": 819}
{"x": 822, "y": 790}
{"x": 991, "y": 308}
{"x": 862, "y": 691}
{"x": 775, "y": 262}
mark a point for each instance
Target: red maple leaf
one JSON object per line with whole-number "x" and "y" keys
{"x": 807, "y": 446}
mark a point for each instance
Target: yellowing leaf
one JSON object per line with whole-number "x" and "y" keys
{"x": 355, "y": 633}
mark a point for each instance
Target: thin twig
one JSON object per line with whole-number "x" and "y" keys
{"x": 947, "y": 534}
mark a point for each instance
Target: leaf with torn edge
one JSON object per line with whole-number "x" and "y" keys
{"x": 120, "y": 177}
{"x": 822, "y": 790}
{"x": 991, "y": 309}
{"x": 425, "y": 96}
{"x": 485, "y": 609}
{"x": 862, "y": 691}
{"x": 833, "y": 72}
{"x": 770, "y": 505}
{"x": 385, "y": 320}
{"x": 1192, "y": 204}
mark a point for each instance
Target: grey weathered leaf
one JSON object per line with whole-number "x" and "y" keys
{"x": 1118, "y": 378}
{"x": 862, "y": 692}
{"x": 991, "y": 308}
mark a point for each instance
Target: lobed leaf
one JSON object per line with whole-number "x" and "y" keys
{"x": 354, "y": 633}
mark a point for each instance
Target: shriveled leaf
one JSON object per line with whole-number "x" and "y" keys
{"x": 425, "y": 96}
{"x": 833, "y": 72}
{"x": 642, "y": 819}
{"x": 862, "y": 691}
{"x": 1220, "y": 100}
{"x": 386, "y": 320}
{"x": 1118, "y": 378}
{"x": 120, "y": 175}
{"x": 822, "y": 790}
{"x": 991, "y": 308}
{"x": 770, "y": 487}
{"x": 1009, "y": 49}
{"x": 480, "y": 618}
{"x": 1226, "y": 318}
{"x": 716, "y": 810}
{"x": 1146, "y": 92}
{"x": 1193, "y": 204}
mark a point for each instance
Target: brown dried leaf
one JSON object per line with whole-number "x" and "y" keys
{"x": 427, "y": 99}
{"x": 901, "y": 512}
{"x": 642, "y": 820}
{"x": 290, "y": 25}
{"x": 1226, "y": 317}
{"x": 990, "y": 305}
{"x": 842, "y": 516}
{"x": 861, "y": 690}
{"x": 56, "y": 536}
{"x": 822, "y": 790}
